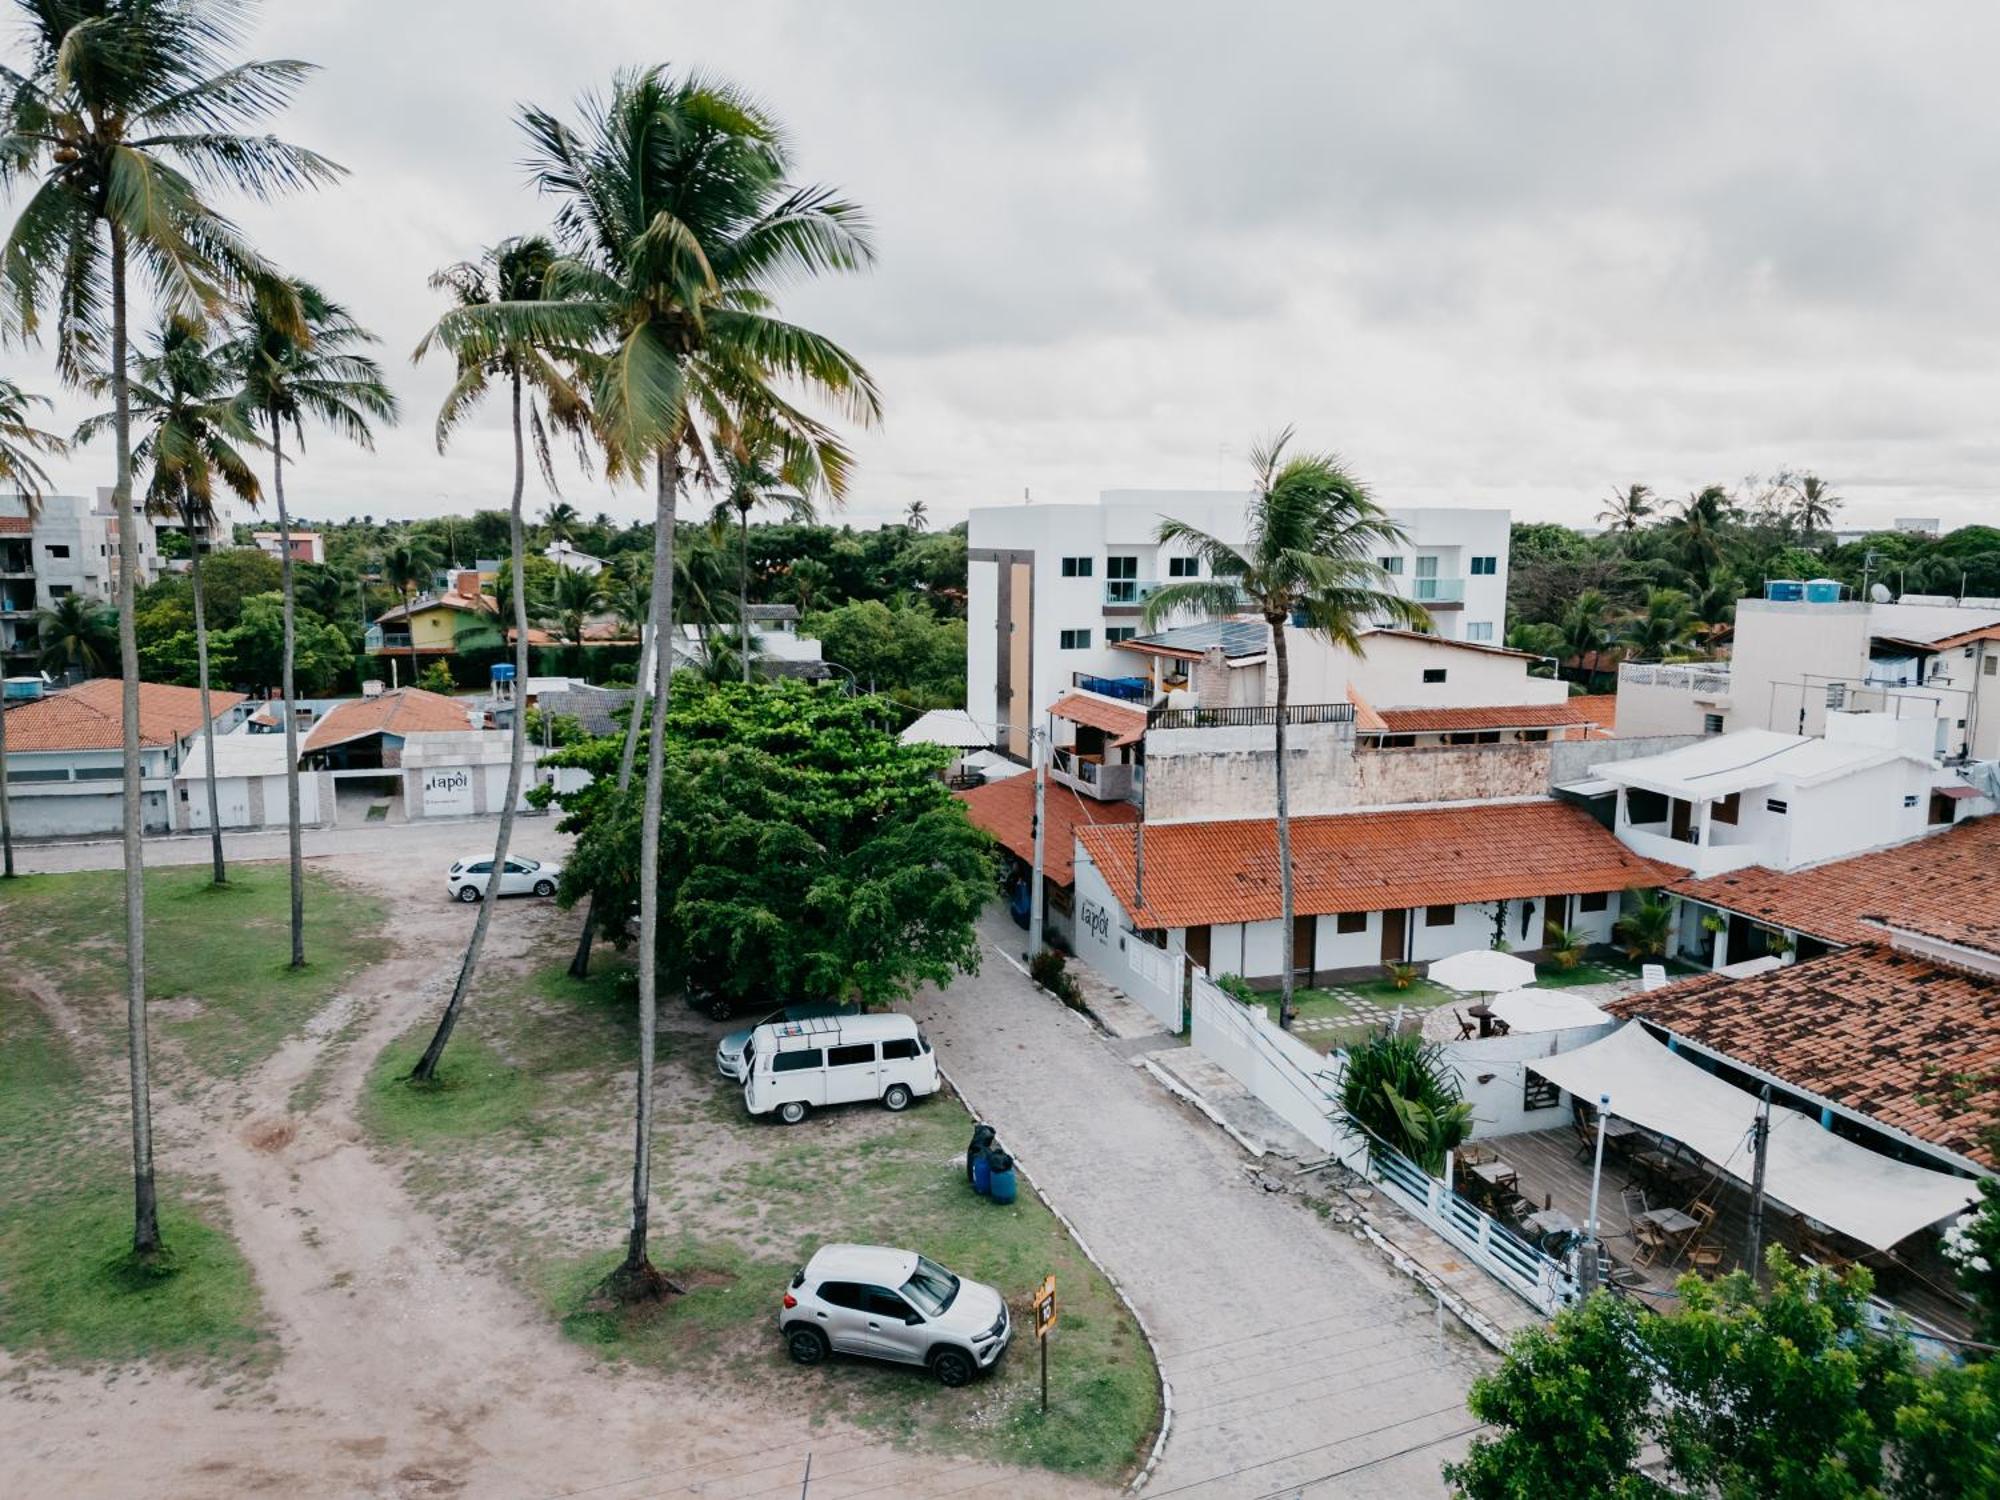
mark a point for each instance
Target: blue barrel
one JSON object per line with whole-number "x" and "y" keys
{"x": 1020, "y": 901}
{"x": 1785, "y": 590}
{"x": 1000, "y": 1174}
{"x": 982, "y": 1174}
{"x": 982, "y": 1137}
{"x": 1823, "y": 591}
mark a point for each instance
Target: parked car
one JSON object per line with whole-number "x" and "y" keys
{"x": 895, "y": 1305}
{"x": 730, "y": 1059}
{"x": 466, "y": 880}
{"x": 796, "y": 1066}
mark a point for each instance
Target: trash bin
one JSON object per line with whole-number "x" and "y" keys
{"x": 1000, "y": 1176}
{"x": 982, "y": 1173}
{"x": 982, "y": 1137}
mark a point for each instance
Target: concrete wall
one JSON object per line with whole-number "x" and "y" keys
{"x": 252, "y": 801}
{"x": 1391, "y": 675}
{"x": 1220, "y": 773}
{"x": 1450, "y": 773}
{"x": 1499, "y": 1103}
{"x": 1571, "y": 760}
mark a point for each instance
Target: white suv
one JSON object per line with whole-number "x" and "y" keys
{"x": 894, "y": 1305}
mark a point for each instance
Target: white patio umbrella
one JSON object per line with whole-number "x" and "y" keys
{"x": 1483, "y": 971}
{"x": 1545, "y": 1010}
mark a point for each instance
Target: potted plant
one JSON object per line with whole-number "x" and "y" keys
{"x": 1715, "y": 923}
{"x": 1566, "y": 945}
{"x": 1402, "y": 976}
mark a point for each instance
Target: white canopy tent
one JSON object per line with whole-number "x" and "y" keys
{"x": 1484, "y": 970}
{"x": 1546, "y": 1010}
{"x": 1807, "y": 1168}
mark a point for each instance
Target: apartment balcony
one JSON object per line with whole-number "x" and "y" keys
{"x": 1237, "y": 718}
{"x": 1433, "y": 592}
{"x": 1131, "y": 592}
{"x": 1091, "y": 776}
{"x": 1128, "y": 689}
{"x": 1702, "y": 679}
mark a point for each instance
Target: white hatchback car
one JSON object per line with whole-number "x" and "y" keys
{"x": 525, "y": 877}
{"x": 895, "y": 1305}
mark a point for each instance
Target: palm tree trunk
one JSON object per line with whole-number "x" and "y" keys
{"x": 427, "y": 1065}
{"x": 294, "y": 839}
{"x": 1284, "y": 830}
{"x": 636, "y": 1277}
{"x": 6, "y": 818}
{"x": 743, "y": 590}
{"x": 579, "y": 964}
{"x": 217, "y": 872}
{"x": 145, "y": 1199}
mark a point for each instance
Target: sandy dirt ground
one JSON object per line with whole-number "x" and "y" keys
{"x": 406, "y": 1370}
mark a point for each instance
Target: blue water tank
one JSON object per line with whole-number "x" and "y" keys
{"x": 1784, "y": 590}
{"x": 1001, "y": 1186}
{"x": 982, "y": 1174}
{"x": 1823, "y": 591}
{"x": 503, "y": 671}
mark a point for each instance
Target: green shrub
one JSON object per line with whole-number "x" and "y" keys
{"x": 1238, "y": 988}
{"x": 1406, "y": 1092}
{"x": 1050, "y": 970}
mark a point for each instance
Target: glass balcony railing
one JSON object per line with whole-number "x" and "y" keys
{"x": 1438, "y": 590}
{"x": 1130, "y": 590}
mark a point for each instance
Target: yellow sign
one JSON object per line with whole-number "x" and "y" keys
{"x": 1045, "y": 1307}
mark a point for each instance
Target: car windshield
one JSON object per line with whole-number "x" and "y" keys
{"x": 930, "y": 1287}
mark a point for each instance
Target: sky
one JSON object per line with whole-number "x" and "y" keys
{"x": 1505, "y": 256}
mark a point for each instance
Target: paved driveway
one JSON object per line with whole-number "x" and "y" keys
{"x": 435, "y": 841}
{"x": 1299, "y": 1363}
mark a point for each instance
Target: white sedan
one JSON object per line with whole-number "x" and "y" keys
{"x": 524, "y": 877}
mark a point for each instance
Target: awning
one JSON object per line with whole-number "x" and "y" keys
{"x": 1595, "y": 786}
{"x": 1545, "y": 1010}
{"x": 947, "y": 726}
{"x": 1807, "y": 1168}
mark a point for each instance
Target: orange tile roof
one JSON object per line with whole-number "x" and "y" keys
{"x": 1518, "y": 716}
{"x": 1115, "y": 719}
{"x": 1365, "y": 716}
{"x": 16, "y": 526}
{"x": 402, "y": 711}
{"x": 1203, "y": 873}
{"x": 1906, "y": 1042}
{"x": 1943, "y": 886}
{"x": 1601, "y": 709}
{"x": 1006, "y": 809}
{"x": 90, "y": 716}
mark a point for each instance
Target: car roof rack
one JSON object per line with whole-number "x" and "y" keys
{"x": 810, "y": 1026}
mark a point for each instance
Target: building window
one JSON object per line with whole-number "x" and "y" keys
{"x": 1391, "y": 564}
{"x": 1433, "y": 674}
{"x": 1533, "y": 736}
{"x": 1113, "y": 634}
{"x": 1120, "y": 567}
{"x": 1773, "y": 805}
{"x": 57, "y": 549}
{"x": 1479, "y": 630}
{"x": 1440, "y": 916}
{"x": 1078, "y": 567}
{"x": 59, "y": 591}
{"x": 1183, "y": 567}
{"x": 1485, "y": 567}
{"x": 1076, "y": 640}
{"x": 1711, "y": 723}
{"x": 1910, "y": 800}
{"x": 1538, "y": 1093}
{"x": 1992, "y": 667}
{"x": 1351, "y": 921}
{"x": 1594, "y": 901}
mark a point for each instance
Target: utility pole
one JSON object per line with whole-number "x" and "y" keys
{"x": 1039, "y": 740}
{"x": 1586, "y": 1263}
{"x": 1760, "y": 1140}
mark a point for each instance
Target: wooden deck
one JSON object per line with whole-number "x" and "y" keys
{"x": 1554, "y": 1169}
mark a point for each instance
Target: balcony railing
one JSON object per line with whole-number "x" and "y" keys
{"x": 1438, "y": 590}
{"x": 1706, "y": 678}
{"x": 1130, "y": 590}
{"x": 1231, "y": 718}
{"x": 1130, "y": 689}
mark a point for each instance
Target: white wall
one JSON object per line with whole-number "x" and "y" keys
{"x": 1391, "y": 675}
{"x": 1102, "y": 937}
{"x": 1498, "y": 1105}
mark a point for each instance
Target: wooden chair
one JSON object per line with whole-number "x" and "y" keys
{"x": 1703, "y": 1257}
{"x": 1466, "y": 1030}
{"x": 1634, "y": 1199}
{"x": 1652, "y": 1241}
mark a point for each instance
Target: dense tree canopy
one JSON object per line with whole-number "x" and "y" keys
{"x": 804, "y": 851}
{"x": 905, "y": 651}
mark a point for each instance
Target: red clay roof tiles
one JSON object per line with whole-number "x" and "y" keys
{"x": 90, "y": 716}
{"x": 399, "y": 712}
{"x": 1445, "y": 720}
{"x": 1006, "y": 809}
{"x": 1116, "y": 719}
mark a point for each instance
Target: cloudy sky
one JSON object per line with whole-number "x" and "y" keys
{"x": 1504, "y": 256}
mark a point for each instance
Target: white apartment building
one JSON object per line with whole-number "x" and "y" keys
{"x": 1053, "y": 590}
{"x": 1797, "y": 661}
{"x": 69, "y": 547}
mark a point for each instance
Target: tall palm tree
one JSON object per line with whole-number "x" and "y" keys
{"x": 680, "y": 224}
{"x": 1308, "y": 560}
{"x": 22, "y": 447}
{"x": 761, "y": 465}
{"x": 540, "y": 395}
{"x": 510, "y": 603}
{"x": 1662, "y": 629}
{"x": 1586, "y": 632}
{"x": 297, "y": 355}
{"x": 807, "y": 581}
{"x": 327, "y": 591}
{"x": 574, "y": 596}
{"x": 561, "y": 519}
{"x": 127, "y": 112}
{"x": 1701, "y": 525}
{"x": 629, "y": 596}
{"x": 77, "y": 635}
{"x": 179, "y": 391}
{"x": 918, "y": 516}
{"x": 1815, "y": 505}
{"x": 1626, "y": 511}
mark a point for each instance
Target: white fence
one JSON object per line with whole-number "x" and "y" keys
{"x": 1538, "y": 1279}
{"x": 1156, "y": 976}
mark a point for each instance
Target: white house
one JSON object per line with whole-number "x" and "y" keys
{"x": 563, "y": 555}
{"x": 249, "y": 785}
{"x": 1053, "y": 590}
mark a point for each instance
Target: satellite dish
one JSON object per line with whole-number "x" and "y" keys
{"x": 1879, "y": 592}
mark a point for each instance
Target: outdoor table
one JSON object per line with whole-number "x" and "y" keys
{"x": 1498, "y": 1175}
{"x": 1674, "y": 1224}
{"x": 1483, "y": 1014}
{"x": 1551, "y": 1221}
{"x": 1472, "y": 1154}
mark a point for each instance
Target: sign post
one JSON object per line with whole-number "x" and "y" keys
{"x": 1045, "y": 1319}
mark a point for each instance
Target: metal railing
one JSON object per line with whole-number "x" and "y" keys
{"x": 1437, "y": 590}
{"x": 1128, "y": 689}
{"x": 1130, "y": 590}
{"x": 1231, "y": 718}
{"x": 1523, "y": 1269}
{"x": 1705, "y": 678}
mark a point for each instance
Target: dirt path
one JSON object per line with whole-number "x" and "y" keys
{"x": 406, "y": 1372}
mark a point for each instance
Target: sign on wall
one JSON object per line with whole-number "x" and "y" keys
{"x": 448, "y": 792}
{"x": 1097, "y": 920}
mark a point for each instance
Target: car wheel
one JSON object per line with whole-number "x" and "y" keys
{"x": 953, "y": 1367}
{"x": 897, "y": 1097}
{"x": 719, "y": 1008}
{"x": 545, "y": 887}
{"x": 807, "y": 1346}
{"x": 792, "y": 1111}
{"x": 468, "y": 894}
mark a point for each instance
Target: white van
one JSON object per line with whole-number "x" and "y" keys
{"x": 796, "y": 1066}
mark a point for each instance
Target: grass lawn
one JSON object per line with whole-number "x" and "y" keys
{"x": 221, "y": 1002}
{"x": 525, "y": 1150}
{"x": 1603, "y": 971}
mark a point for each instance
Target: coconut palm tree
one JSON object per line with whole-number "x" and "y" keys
{"x": 1701, "y": 524}
{"x": 918, "y": 516}
{"x": 629, "y": 596}
{"x": 1313, "y": 535}
{"x": 806, "y": 583}
{"x": 540, "y": 396}
{"x": 679, "y": 223}
{"x": 127, "y": 113}
{"x": 327, "y": 591}
{"x": 1586, "y": 632}
{"x": 761, "y": 465}
{"x": 1626, "y": 511}
{"x": 22, "y": 447}
{"x": 1815, "y": 504}
{"x": 1662, "y": 629}
{"x": 297, "y": 355}
{"x": 407, "y": 567}
{"x": 560, "y": 520}
{"x": 574, "y": 596}
{"x": 179, "y": 391}
{"x": 79, "y": 636}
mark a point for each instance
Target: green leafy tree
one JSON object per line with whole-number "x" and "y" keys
{"x": 1945, "y": 1430}
{"x": 1663, "y": 630}
{"x": 252, "y": 653}
{"x": 1310, "y": 559}
{"x": 1586, "y": 632}
{"x": 1647, "y": 925}
{"x": 573, "y": 600}
{"x": 1405, "y": 1092}
{"x": 228, "y": 577}
{"x": 173, "y": 657}
{"x": 329, "y": 592}
{"x": 1700, "y": 526}
{"x": 436, "y": 678}
{"x": 1973, "y": 1247}
{"x": 1627, "y": 509}
{"x": 807, "y": 582}
{"x": 407, "y": 568}
{"x": 125, "y": 112}
{"x": 905, "y": 651}
{"x": 762, "y": 464}
{"x": 22, "y": 448}
{"x": 298, "y": 357}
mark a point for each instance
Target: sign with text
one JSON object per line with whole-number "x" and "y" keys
{"x": 448, "y": 792}
{"x": 1045, "y": 1308}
